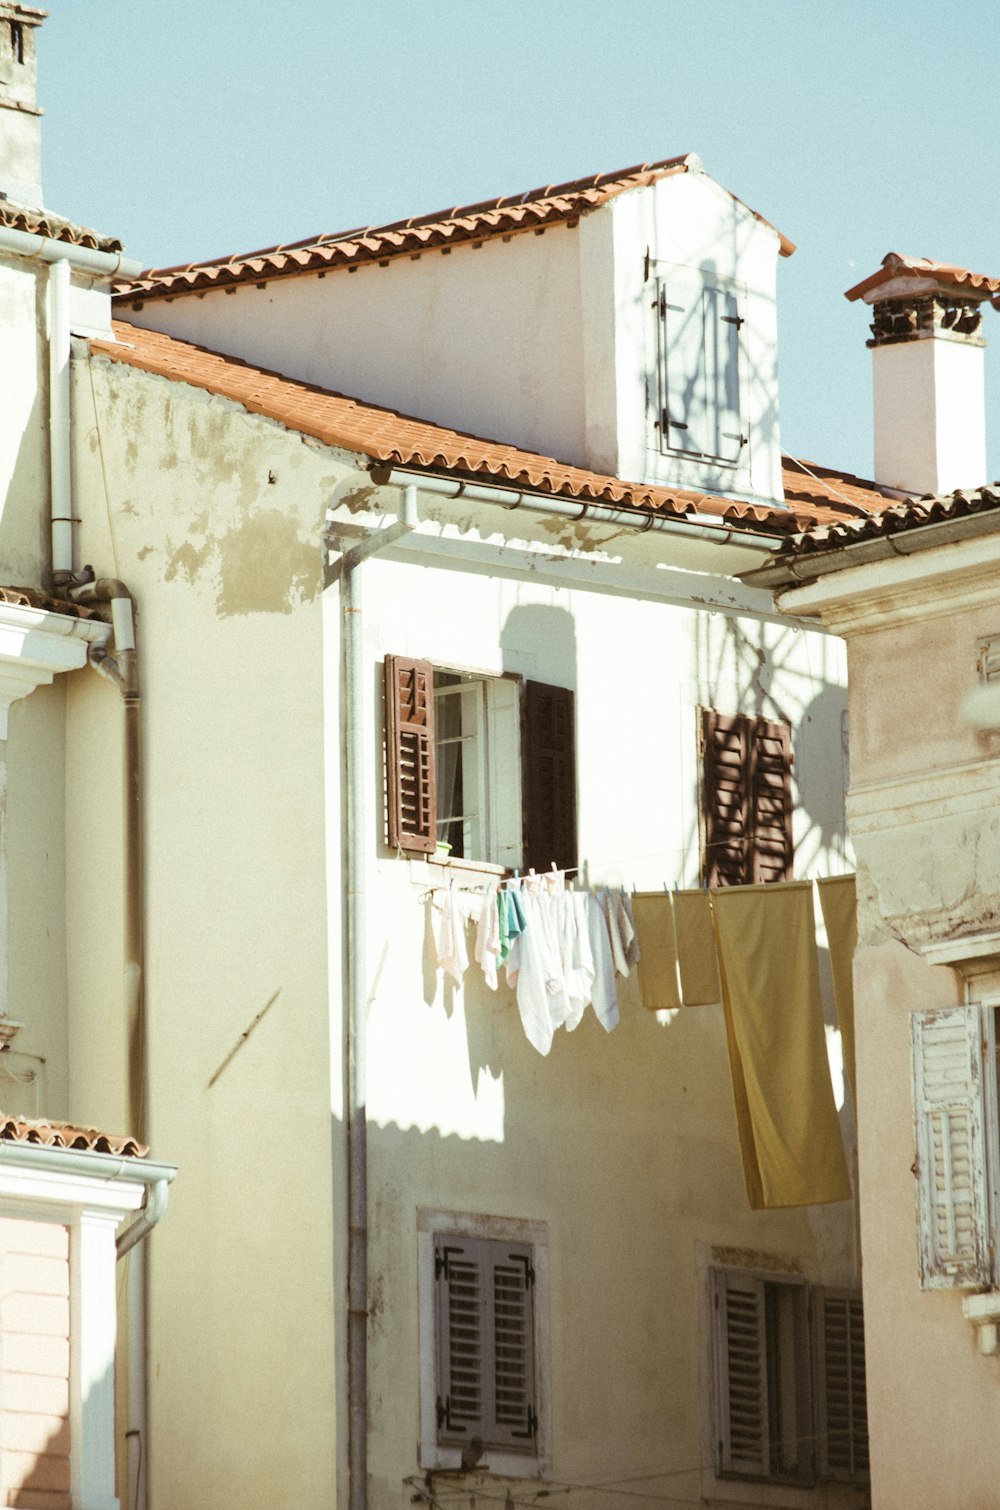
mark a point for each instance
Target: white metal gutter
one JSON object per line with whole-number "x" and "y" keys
{"x": 692, "y": 526}
{"x": 84, "y": 258}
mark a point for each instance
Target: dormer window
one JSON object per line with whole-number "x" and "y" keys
{"x": 701, "y": 411}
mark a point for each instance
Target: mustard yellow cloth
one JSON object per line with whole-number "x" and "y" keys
{"x": 785, "y": 1111}
{"x": 654, "y": 925}
{"x": 838, "y": 900}
{"x": 696, "y": 956}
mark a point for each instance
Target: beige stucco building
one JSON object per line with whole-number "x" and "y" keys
{"x": 409, "y": 1255}
{"x": 913, "y": 592}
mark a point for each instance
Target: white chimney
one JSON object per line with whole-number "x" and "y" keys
{"x": 927, "y": 373}
{"x": 20, "y": 117}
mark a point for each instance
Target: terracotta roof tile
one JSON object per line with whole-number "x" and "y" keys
{"x": 895, "y": 265}
{"x": 44, "y": 223}
{"x": 815, "y": 494}
{"x": 510, "y": 215}
{"x": 33, "y": 597}
{"x": 68, "y": 1135}
{"x": 893, "y": 519}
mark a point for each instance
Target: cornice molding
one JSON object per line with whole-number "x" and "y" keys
{"x": 36, "y": 645}
{"x": 907, "y": 588}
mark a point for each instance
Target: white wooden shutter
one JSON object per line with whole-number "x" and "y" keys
{"x": 741, "y": 1396}
{"x": 462, "y": 1346}
{"x": 951, "y": 1150}
{"x": 700, "y": 368}
{"x": 515, "y": 1422}
{"x": 841, "y": 1398}
{"x": 485, "y": 1342}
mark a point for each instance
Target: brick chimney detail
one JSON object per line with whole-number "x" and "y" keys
{"x": 927, "y": 373}
{"x": 20, "y": 117}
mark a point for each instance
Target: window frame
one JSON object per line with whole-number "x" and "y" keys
{"x": 535, "y": 1462}
{"x": 494, "y": 828}
{"x": 529, "y": 788}
{"x": 810, "y": 1387}
{"x": 979, "y": 1021}
{"x": 701, "y": 287}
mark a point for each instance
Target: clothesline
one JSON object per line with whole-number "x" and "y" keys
{"x": 561, "y": 948}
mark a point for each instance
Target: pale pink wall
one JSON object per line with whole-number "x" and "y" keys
{"x": 34, "y": 1365}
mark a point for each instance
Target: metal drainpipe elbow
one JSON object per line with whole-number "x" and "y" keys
{"x": 150, "y": 1213}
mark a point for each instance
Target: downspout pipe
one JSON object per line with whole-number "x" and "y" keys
{"x": 356, "y": 843}
{"x": 60, "y": 469}
{"x": 692, "y": 526}
{"x": 122, "y": 669}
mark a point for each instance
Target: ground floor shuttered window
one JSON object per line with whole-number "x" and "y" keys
{"x": 789, "y": 1380}
{"x": 485, "y": 1340}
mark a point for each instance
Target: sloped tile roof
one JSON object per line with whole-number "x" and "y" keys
{"x": 54, "y": 227}
{"x": 817, "y": 495}
{"x": 33, "y": 597}
{"x": 896, "y": 265}
{"x": 893, "y": 519}
{"x": 510, "y": 215}
{"x": 68, "y": 1135}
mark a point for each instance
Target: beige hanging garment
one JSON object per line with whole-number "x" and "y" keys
{"x": 787, "y": 1118}
{"x": 696, "y": 956}
{"x": 838, "y": 900}
{"x": 654, "y": 926}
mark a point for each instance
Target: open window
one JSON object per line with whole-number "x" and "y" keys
{"x": 479, "y": 768}
{"x": 789, "y": 1380}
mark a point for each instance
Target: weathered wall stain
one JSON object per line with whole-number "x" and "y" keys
{"x": 266, "y": 567}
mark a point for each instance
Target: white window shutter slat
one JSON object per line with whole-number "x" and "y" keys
{"x": 841, "y": 1395}
{"x": 514, "y": 1421}
{"x": 739, "y": 1335}
{"x": 686, "y": 418}
{"x": 723, "y": 323}
{"x": 951, "y": 1148}
{"x": 464, "y": 1344}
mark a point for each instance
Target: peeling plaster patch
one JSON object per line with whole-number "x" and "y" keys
{"x": 187, "y": 561}
{"x": 143, "y": 552}
{"x": 266, "y": 567}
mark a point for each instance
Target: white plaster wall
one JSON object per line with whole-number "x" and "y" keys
{"x": 930, "y": 418}
{"x": 925, "y": 824}
{"x": 486, "y": 340}
{"x": 690, "y": 221}
{"x": 546, "y": 341}
{"x": 23, "y": 443}
{"x": 225, "y": 568}
{"x": 624, "y": 1144}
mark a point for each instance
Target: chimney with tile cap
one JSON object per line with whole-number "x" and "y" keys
{"x": 20, "y": 117}
{"x": 927, "y": 373}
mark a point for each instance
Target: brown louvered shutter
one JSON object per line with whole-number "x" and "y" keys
{"x": 725, "y": 797}
{"x": 770, "y": 787}
{"x": 549, "y": 777}
{"x": 411, "y": 804}
{"x": 746, "y": 799}
{"x": 842, "y": 1409}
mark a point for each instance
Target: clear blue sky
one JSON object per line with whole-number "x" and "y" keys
{"x": 199, "y": 127}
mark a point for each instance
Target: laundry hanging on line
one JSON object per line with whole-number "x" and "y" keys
{"x": 561, "y": 949}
